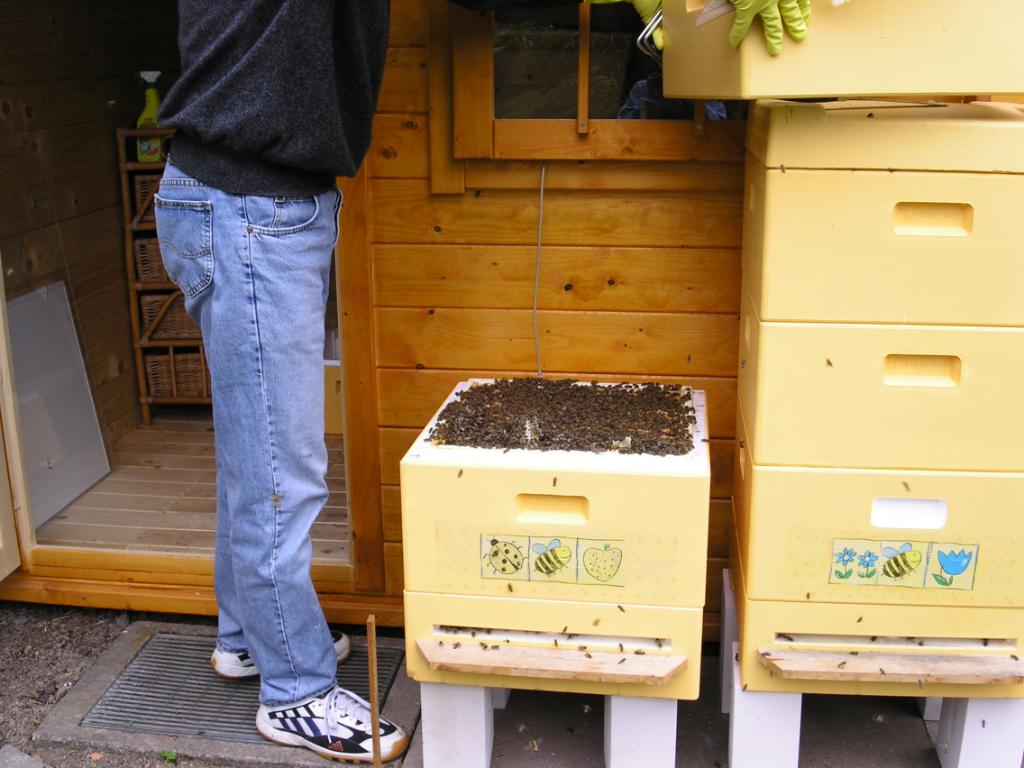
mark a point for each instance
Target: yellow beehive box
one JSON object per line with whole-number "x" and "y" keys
{"x": 525, "y": 548}
{"x": 862, "y": 395}
{"x": 832, "y": 533}
{"x": 885, "y": 213}
{"x": 863, "y": 47}
{"x": 871, "y": 562}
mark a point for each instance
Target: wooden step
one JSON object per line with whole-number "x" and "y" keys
{"x": 871, "y": 667}
{"x": 517, "y": 661}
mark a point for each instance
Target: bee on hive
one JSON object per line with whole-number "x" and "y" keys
{"x": 901, "y": 562}
{"x": 552, "y": 558}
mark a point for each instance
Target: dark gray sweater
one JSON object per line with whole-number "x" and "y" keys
{"x": 275, "y": 97}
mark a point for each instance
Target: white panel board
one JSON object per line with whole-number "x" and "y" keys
{"x": 61, "y": 444}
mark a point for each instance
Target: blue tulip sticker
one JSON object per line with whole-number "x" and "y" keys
{"x": 952, "y": 564}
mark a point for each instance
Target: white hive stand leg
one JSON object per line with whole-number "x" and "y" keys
{"x": 458, "y": 725}
{"x": 500, "y": 697}
{"x": 730, "y": 635}
{"x": 764, "y": 728}
{"x": 981, "y": 732}
{"x": 639, "y": 732}
{"x": 930, "y": 707}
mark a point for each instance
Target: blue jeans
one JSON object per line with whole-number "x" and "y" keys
{"x": 255, "y": 272}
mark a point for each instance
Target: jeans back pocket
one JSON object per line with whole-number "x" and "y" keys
{"x": 185, "y": 231}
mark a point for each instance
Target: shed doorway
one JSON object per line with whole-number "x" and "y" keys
{"x": 160, "y": 494}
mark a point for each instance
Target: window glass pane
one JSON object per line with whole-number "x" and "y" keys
{"x": 536, "y": 62}
{"x": 615, "y": 61}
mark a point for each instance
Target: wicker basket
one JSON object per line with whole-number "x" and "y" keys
{"x": 149, "y": 264}
{"x": 175, "y": 324}
{"x": 145, "y": 185}
{"x": 190, "y": 377}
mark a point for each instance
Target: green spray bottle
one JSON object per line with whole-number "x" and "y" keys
{"x": 149, "y": 149}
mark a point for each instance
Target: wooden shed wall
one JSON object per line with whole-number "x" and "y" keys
{"x": 639, "y": 273}
{"x": 66, "y": 82}
{"x": 639, "y": 278}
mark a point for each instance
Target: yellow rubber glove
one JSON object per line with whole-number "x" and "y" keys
{"x": 775, "y": 14}
{"x": 646, "y": 9}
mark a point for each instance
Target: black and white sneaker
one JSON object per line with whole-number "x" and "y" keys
{"x": 335, "y": 725}
{"x": 235, "y": 666}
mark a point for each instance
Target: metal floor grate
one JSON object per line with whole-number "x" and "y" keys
{"x": 169, "y": 689}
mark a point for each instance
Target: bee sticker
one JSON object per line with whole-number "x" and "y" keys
{"x": 553, "y": 559}
{"x": 901, "y": 562}
{"x": 503, "y": 557}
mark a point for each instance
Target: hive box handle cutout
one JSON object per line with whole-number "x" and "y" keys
{"x": 933, "y": 219}
{"x": 548, "y": 508}
{"x": 916, "y": 514}
{"x": 941, "y": 371}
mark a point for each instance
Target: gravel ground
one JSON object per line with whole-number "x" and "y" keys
{"x": 43, "y": 651}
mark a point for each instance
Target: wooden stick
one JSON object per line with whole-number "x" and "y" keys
{"x": 371, "y": 652}
{"x": 583, "y": 83}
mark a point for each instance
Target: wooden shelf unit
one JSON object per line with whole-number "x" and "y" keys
{"x": 177, "y": 363}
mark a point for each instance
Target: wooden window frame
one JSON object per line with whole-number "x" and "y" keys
{"x": 478, "y": 135}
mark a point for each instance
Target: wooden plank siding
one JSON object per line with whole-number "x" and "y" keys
{"x": 598, "y": 342}
{"x": 675, "y": 280}
{"x": 639, "y": 278}
{"x": 406, "y": 213}
{"x": 66, "y": 82}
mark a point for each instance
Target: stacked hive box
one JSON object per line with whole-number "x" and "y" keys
{"x": 556, "y": 570}
{"x": 880, "y": 472}
{"x": 867, "y": 46}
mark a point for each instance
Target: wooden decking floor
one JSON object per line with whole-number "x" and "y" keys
{"x": 161, "y": 496}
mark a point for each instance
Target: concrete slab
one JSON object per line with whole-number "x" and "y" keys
{"x": 12, "y": 757}
{"x": 62, "y": 726}
{"x": 551, "y": 730}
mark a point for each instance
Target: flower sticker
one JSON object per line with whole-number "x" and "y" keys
{"x": 867, "y": 563}
{"x": 846, "y": 557}
{"x": 952, "y": 564}
{"x": 942, "y": 565}
{"x": 843, "y": 559}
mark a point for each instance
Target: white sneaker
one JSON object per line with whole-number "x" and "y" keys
{"x": 335, "y": 725}
{"x": 235, "y": 666}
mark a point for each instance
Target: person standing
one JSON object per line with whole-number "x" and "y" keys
{"x": 275, "y": 100}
